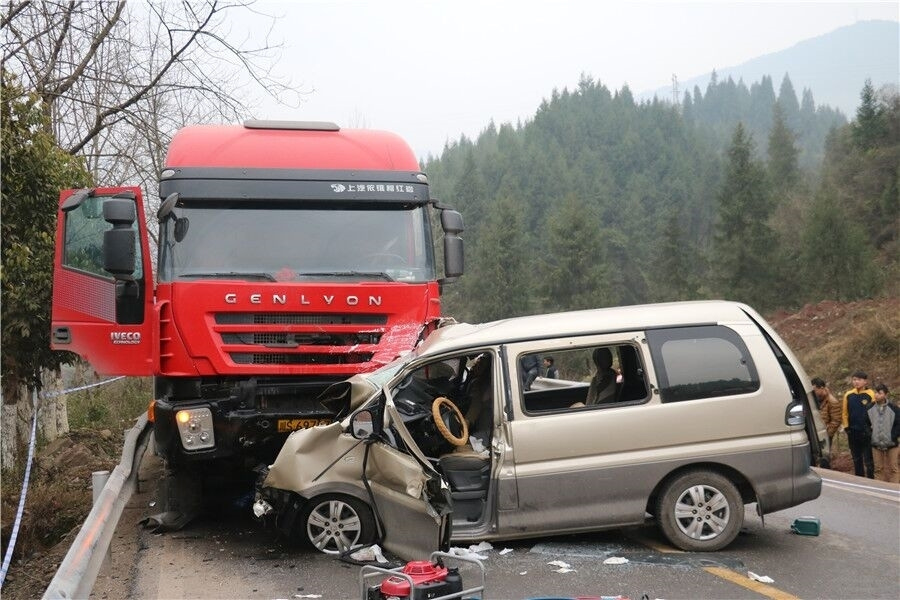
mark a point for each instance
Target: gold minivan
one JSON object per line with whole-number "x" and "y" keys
{"x": 682, "y": 412}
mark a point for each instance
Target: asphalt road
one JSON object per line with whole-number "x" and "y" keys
{"x": 228, "y": 555}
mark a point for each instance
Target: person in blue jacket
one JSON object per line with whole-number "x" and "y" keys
{"x": 856, "y": 423}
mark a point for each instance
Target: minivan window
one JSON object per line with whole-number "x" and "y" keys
{"x": 701, "y": 362}
{"x": 577, "y": 378}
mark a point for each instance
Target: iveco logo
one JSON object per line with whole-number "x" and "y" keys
{"x": 304, "y": 300}
{"x": 125, "y": 337}
{"x": 338, "y": 187}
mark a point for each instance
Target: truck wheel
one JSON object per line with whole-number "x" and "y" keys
{"x": 700, "y": 511}
{"x": 333, "y": 523}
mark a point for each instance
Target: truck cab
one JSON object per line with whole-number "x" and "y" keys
{"x": 289, "y": 256}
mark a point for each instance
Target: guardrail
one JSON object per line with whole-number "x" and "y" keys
{"x": 79, "y": 569}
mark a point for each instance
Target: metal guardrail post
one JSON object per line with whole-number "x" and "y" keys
{"x": 79, "y": 569}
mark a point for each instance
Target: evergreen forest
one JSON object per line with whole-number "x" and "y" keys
{"x": 737, "y": 193}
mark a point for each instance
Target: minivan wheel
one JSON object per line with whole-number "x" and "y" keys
{"x": 333, "y": 523}
{"x": 700, "y": 511}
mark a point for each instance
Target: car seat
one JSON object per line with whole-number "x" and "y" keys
{"x": 603, "y": 384}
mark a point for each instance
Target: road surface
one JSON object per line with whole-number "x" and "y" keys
{"x": 229, "y": 555}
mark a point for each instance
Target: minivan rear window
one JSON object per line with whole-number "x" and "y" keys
{"x": 701, "y": 362}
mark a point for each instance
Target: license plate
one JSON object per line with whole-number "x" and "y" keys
{"x": 286, "y": 425}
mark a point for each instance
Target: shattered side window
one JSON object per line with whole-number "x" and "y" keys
{"x": 588, "y": 377}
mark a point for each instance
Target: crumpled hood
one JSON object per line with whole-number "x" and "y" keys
{"x": 303, "y": 463}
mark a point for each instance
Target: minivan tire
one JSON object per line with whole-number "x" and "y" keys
{"x": 700, "y": 511}
{"x": 333, "y": 523}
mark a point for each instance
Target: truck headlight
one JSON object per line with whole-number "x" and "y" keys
{"x": 195, "y": 425}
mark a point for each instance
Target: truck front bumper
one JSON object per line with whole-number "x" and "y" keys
{"x": 248, "y": 434}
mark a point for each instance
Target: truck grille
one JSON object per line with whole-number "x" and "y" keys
{"x": 277, "y": 340}
{"x": 300, "y": 338}
{"x": 249, "y": 358}
{"x": 299, "y": 319}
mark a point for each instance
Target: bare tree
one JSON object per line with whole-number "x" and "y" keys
{"x": 117, "y": 79}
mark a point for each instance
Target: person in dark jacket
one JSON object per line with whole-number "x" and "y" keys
{"x": 884, "y": 422}
{"x": 530, "y": 365}
{"x": 856, "y": 402}
{"x": 551, "y": 371}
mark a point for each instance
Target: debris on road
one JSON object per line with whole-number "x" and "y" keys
{"x": 760, "y": 578}
{"x": 806, "y": 526}
{"x": 467, "y": 553}
{"x": 564, "y": 567}
{"x": 369, "y": 554}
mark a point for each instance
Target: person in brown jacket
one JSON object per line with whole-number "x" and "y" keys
{"x": 830, "y": 408}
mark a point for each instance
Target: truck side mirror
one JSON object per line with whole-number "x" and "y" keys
{"x": 452, "y": 224}
{"x": 119, "y": 242}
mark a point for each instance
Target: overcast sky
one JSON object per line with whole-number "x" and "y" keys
{"x": 434, "y": 70}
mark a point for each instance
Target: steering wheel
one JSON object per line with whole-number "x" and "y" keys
{"x": 436, "y": 407}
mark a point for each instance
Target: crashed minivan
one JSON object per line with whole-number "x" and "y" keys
{"x": 681, "y": 412}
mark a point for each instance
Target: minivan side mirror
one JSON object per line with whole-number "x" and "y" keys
{"x": 365, "y": 424}
{"x": 795, "y": 414}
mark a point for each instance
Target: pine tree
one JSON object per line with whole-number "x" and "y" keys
{"x": 674, "y": 273}
{"x": 783, "y": 170}
{"x": 869, "y": 127}
{"x": 573, "y": 272}
{"x": 743, "y": 245}
{"x": 787, "y": 98}
{"x": 499, "y": 282}
{"x": 837, "y": 251}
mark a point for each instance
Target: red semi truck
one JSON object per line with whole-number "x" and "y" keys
{"x": 289, "y": 256}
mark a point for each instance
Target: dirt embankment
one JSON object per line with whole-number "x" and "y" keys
{"x": 834, "y": 339}
{"x": 58, "y": 500}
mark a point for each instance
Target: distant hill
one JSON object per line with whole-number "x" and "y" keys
{"x": 834, "y": 66}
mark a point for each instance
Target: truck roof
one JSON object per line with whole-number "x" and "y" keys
{"x": 588, "y": 322}
{"x": 239, "y": 146}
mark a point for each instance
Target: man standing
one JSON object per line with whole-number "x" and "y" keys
{"x": 884, "y": 418}
{"x": 830, "y": 409}
{"x": 856, "y": 402}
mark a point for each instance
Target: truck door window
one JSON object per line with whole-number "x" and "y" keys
{"x": 701, "y": 362}
{"x": 83, "y": 249}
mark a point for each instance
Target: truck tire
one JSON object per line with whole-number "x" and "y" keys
{"x": 700, "y": 511}
{"x": 333, "y": 523}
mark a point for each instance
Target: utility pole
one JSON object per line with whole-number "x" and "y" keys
{"x": 675, "y": 96}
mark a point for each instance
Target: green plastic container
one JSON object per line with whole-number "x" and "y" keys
{"x": 806, "y": 526}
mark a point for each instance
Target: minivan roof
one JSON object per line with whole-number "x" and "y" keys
{"x": 587, "y": 322}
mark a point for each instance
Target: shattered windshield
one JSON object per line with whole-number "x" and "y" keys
{"x": 287, "y": 241}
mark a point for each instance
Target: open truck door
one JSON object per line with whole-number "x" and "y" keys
{"x": 103, "y": 281}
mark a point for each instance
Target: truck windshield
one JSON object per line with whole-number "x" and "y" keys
{"x": 286, "y": 241}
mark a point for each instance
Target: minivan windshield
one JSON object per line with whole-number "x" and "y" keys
{"x": 296, "y": 241}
